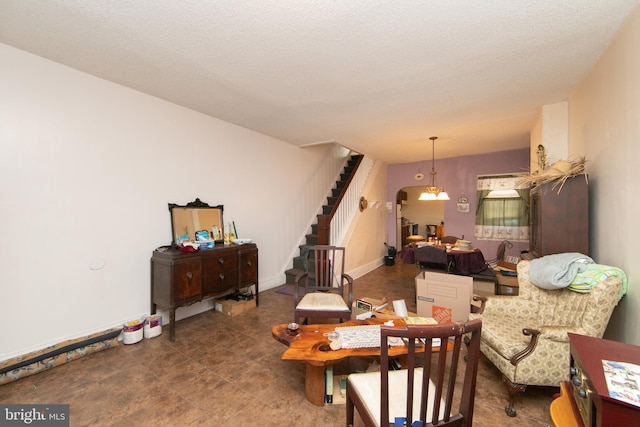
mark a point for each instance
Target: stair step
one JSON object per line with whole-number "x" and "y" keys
{"x": 335, "y": 192}
{"x": 292, "y": 273}
{"x": 297, "y": 264}
{"x": 354, "y": 160}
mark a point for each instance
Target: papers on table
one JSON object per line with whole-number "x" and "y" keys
{"x": 623, "y": 381}
{"x": 419, "y": 320}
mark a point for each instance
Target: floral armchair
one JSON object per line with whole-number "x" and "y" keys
{"x": 525, "y": 336}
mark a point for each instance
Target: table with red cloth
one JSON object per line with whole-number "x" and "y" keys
{"x": 458, "y": 261}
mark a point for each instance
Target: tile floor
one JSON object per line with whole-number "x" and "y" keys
{"x": 224, "y": 371}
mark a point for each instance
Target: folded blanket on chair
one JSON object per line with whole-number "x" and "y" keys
{"x": 558, "y": 270}
{"x": 596, "y": 273}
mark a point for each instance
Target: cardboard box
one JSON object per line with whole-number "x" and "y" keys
{"x": 484, "y": 288}
{"x": 232, "y": 307}
{"x": 507, "y": 285}
{"x": 513, "y": 266}
{"x": 445, "y": 297}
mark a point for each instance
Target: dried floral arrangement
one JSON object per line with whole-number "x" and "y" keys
{"x": 557, "y": 173}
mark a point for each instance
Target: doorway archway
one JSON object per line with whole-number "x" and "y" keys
{"x": 413, "y": 215}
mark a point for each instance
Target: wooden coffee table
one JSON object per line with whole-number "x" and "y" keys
{"x": 310, "y": 345}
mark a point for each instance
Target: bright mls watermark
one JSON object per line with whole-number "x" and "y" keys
{"x": 34, "y": 415}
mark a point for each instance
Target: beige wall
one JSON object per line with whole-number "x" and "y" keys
{"x": 551, "y": 130}
{"x": 604, "y": 125}
{"x": 364, "y": 242}
{"x": 535, "y": 138}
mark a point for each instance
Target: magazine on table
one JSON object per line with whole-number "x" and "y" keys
{"x": 623, "y": 381}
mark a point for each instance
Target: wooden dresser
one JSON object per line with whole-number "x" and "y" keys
{"x": 181, "y": 278}
{"x": 585, "y": 401}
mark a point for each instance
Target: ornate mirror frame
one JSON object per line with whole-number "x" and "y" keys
{"x": 196, "y": 216}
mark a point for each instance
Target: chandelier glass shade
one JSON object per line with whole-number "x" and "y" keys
{"x": 433, "y": 191}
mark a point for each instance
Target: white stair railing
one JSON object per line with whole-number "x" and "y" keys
{"x": 348, "y": 206}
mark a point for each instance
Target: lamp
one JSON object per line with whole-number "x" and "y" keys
{"x": 432, "y": 191}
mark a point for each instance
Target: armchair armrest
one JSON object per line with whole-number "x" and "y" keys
{"x": 559, "y": 333}
{"x": 516, "y": 358}
{"x": 551, "y": 333}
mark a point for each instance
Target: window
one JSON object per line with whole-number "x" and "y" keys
{"x": 502, "y": 208}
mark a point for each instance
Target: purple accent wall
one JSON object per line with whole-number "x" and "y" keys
{"x": 458, "y": 175}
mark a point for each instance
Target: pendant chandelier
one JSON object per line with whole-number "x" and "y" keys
{"x": 432, "y": 191}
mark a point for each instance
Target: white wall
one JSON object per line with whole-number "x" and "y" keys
{"x": 87, "y": 168}
{"x": 604, "y": 123}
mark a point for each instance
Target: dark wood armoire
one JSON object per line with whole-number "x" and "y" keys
{"x": 560, "y": 217}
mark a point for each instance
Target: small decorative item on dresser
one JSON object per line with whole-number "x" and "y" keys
{"x": 242, "y": 241}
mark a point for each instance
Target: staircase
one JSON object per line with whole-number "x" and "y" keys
{"x": 321, "y": 238}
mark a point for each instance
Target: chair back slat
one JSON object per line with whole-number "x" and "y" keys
{"x": 444, "y": 411}
{"x": 426, "y": 374}
{"x": 328, "y": 262}
{"x": 439, "y": 383}
{"x": 411, "y": 364}
{"x": 455, "y": 358}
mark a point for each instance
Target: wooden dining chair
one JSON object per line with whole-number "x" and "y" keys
{"x": 324, "y": 285}
{"x": 424, "y": 390}
{"x": 500, "y": 254}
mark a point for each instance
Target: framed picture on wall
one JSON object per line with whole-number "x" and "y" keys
{"x": 463, "y": 207}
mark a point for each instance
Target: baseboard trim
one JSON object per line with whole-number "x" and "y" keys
{"x": 38, "y": 361}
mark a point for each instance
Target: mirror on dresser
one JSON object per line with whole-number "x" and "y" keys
{"x": 196, "y": 216}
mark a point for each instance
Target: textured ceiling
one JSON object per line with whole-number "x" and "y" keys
{"x": 377, "y": 76}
